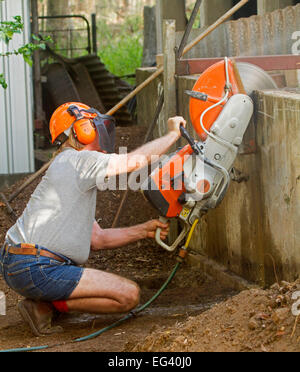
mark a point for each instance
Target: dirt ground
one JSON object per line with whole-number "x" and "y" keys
{"x": 252, "y": 321}
{"x": 195, "y": 313}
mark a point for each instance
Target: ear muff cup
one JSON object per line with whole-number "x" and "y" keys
{"x": 85, "y": 131}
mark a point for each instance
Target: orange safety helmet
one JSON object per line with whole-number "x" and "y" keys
{"x": 62, "y": 120}
{"x": 85, "y": 122}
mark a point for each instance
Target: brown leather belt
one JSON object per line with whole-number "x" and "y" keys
{"x": 31, "y": 250}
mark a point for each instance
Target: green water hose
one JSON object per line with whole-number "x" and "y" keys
{"x": 136, "y": 311}
{"x": 132, "y": 314}
{"x": 96, "y": 334}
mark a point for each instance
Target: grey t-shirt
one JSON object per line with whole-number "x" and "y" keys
{"x": 61, "y": 211}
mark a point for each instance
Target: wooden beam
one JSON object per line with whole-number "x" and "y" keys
{"x": 169, "y": 44}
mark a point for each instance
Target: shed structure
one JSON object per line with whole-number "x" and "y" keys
{"x": 16, "y": 102}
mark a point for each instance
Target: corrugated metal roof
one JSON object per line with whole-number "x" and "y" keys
{"x": 16, "y": 102}
{"x": 268, "y": 34}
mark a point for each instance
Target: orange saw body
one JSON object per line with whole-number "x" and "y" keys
{"x": 166, "y": 188}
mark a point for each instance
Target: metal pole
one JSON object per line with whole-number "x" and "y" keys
{"x": 39, "y": 113}
{"x": 188, "y": 29}
{"x": 94, "y": 33}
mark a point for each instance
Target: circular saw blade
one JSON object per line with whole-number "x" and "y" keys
{"x": 255, "y": 78}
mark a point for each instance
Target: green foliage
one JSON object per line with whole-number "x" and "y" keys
{"x": 7, "y": 31}
{"x": 28, "y": 49}
{"x": 122, "y": 47}
{"x": 189, "y": 10}
{"x": 2, "y": 81}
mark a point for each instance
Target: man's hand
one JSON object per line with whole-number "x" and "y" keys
{"x": 152, "y": 226}
{"x": 175, "y": 123}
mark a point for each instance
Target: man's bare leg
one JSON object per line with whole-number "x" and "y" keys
{"x": 99, "y": 292}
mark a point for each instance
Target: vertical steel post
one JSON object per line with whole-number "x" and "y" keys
{"x": 39, "y": 113}
{"x": 94, "y": 33}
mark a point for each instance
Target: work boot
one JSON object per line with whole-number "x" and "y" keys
{"x": 38, "y": 315}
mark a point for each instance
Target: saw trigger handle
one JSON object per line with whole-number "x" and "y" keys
{"x": 177, "y": 241}
{"x": 185, "y": 134}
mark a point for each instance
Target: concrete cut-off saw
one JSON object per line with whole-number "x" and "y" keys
{"x": 195, "y": 179}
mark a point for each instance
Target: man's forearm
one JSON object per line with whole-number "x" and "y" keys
{"x": 116, "y": 238}
{"x": 142, "y": 156}
{"x": 157, "y": 147}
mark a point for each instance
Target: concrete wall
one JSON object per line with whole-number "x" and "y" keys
{"x": 270, "y": 34}
{"x": 211, "y": 10}
{"x": 169, "y": 9}
{"x": 257, "y": 35}
{"x": 266, "y": 6}
{"x": 150, "y": 39}
{"x": 255, "y": 233}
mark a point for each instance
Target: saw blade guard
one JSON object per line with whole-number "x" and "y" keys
{"x": 210, "y": 89}
{"x": 212, "y": 83}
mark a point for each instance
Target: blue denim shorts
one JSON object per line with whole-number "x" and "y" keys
{"x": 40, "y": 278}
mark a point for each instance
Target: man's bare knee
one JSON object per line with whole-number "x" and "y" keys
{"x": 131, "y": 298}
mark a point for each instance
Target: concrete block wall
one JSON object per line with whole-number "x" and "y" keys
{"x": 255, "y": 232}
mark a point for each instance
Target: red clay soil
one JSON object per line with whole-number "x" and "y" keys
{"x": 195, "y": 313}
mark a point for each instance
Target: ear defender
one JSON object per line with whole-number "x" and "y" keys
{"x": 85, "y": 131}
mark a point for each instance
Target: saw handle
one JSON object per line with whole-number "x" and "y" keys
{"x": 177, "y": 241}
{"x": 197, "y": 95}
{"x": 185, "y": 134}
